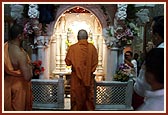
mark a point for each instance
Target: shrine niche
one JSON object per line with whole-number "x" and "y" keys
{"x": 66, "y": 27}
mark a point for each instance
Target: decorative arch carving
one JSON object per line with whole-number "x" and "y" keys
{"x": 95, "y": 9}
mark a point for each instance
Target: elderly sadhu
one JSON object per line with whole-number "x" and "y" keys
{"x": 83, "y": 58}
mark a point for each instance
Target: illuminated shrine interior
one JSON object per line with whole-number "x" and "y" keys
{"x": 69, "y": 23}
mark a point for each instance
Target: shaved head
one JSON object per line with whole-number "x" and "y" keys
{"x": 82, "y": 34}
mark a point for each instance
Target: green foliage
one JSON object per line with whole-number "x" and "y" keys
{"x": 123, "y": 73}
{"x": 119, "y": 76}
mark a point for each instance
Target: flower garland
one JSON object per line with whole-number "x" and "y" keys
{"x": 134, "y": 29}
{"x": 109, "y": 38}
{"x": 123, "y": 73}
{"x": 33, "y": 11}
{"x": 68, "y": 43}
{"x": 90, "y": 38}
{"x": 119, "y": 37}
{"x": 122, "y": 32}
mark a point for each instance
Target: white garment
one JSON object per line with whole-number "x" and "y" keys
{"x": 161, "y": 45}
{"x": 140, "y": 85}
{"x": 154, "y": 101}
{"x": 134, "y": 62}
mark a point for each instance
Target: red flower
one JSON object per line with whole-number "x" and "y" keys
{"x": 42, "y": 69}
{"x": 37, "y": 69}
{"x": 39, "y": 62}
{"x": 36, "y": 72}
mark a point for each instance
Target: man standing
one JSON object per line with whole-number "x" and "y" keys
{"x": 83, "y": 58}
{"x": 157, "y": 33}
{"x": 154, "y": 76}
{"x": 131, "y": 63}
{"x": 18, "y": 73}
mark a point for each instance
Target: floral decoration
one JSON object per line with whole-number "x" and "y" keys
{"x": 37, "y": 70}
{"x": 134, "y": 28}
{"x": 33, "y": 11}
{"x": 120, "y": 36}
{"x": 123, "y": 31}
{"x": 90, "y": 38}
{"x": 68, "y": 43}
{"x": 123, "y": 73}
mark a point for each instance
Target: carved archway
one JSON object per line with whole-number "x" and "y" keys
{"x": 95, "y": 9}
{"x": 55, "y": 40}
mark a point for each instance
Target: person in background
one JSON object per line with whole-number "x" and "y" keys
{"x": 18, "y": 73}
{"x": 131, "y": 62}
{"x": 157, "y": 35}
{"x": 136, "y": 57}
{"x": 83, "y": 58}
{"x": 149, "y": 46}
{"x": 141, "y": 59}
{"x": 157, "y": 31}
{"x": 154, "y": 76}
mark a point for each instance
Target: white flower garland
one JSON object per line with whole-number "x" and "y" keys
{"x": 120, "y": 34}
{"x": 33, "y": 11}
{"x": 121, "y": 11}
{"x": 109, "y": 38}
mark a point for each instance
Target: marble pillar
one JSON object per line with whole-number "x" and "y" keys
{"x": 40, "y": 56}
{"x": 95, "y": 39}
{"x": 47, "y": 62}
{"x": 53, "y": 50}
{"x": 120, "y": 56}
{"x": 112, "y": 62}
{"x": 100, "y": 46}
{"x": 58, "y": 52}
{"x": 34, "y": 55}
{"x": 43, "y": 55}
{"x": 63, "y": 52}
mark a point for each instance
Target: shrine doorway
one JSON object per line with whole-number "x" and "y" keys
{"x": 70, "y": 19}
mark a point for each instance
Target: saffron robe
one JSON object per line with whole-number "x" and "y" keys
{"x": 17, "y": 91}
{"x": 83, "y": 58}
